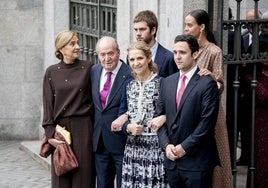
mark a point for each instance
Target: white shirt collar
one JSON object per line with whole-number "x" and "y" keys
{"x": 189, "y": 74}
{"x": 154, "y": 49}
{"x": 114, "y": 73}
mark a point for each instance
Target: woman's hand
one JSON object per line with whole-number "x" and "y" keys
{"x": 135, "y": 129}
{"x": 54, "y": 142}
{"x": 157, "y": 122}
{"x": 206, "y": 72}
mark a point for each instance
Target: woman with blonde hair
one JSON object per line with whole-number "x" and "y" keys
{"x": 143, "y": 159}
{"x": 67, "y": 101}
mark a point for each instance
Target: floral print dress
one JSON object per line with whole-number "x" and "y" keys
{"x": 143, "y": 159}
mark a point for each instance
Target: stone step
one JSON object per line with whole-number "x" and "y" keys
{"x": 32, "y": 148}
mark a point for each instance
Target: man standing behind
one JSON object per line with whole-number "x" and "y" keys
{"x": 107, "y": 80}
{"x": 191, "y": 114}
{"x": 247, "y": 37}
{"x": 245, "y": 98}
{"x": 145, "y": 26}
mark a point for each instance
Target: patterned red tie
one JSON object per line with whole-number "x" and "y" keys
{"x": 181, "y": 90}
{"x": 106, "y": 89}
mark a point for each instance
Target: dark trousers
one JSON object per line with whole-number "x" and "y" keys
{"x": 189, "y": 179}
{"x": 108, "y": 166}
{"x": 84, "y": 176}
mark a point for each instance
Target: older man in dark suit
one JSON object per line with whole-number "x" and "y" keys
{"x": 190, "y": 103}
{"x": 107, "y": 80}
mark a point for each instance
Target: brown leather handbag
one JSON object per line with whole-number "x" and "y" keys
{"x": 64, "y": 159}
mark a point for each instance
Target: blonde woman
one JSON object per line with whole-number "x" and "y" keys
{"x": 143, "y": 158}
{"x": 67, "y": 101}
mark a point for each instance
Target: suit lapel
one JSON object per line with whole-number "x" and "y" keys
{"x": 190, "y": 86}
{"x": 159, "y": 57}
{"x": 192, "y": 83}
{"x": 172, "y": 93}
{"x": 118, "y": 81}
{"x": 96, "y": 89}
{"x": 173, "y": 90}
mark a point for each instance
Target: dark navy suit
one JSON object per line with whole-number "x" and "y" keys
{"x": 246, "y": 41}
{"x": 192, "y": 124}
{"x": 108, "y": 146}
{"x": 165, "y": 61}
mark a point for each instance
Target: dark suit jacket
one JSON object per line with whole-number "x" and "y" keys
{"x": 165, "y": 62}
{"x": 114, "y": 142}
{"x": 192, "y": 125}
{"x": 246, "y": 41}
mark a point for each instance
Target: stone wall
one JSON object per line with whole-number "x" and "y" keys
{"x": 21, "y": 68}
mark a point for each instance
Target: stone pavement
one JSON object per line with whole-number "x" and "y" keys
{"x": 22, "y": 167}
{"x": 19, "y": 170}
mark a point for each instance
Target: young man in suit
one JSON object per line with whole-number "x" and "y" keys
{"x": 145, "y": 27}
{"x": 107, "y": 80}
{"x": 187, "y": 138}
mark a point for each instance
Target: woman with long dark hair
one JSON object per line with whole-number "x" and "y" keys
{"x": 210, "y": 62}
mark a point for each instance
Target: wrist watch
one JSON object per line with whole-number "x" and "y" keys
{"x": 164, "y": 147}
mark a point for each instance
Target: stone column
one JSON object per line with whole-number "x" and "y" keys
{"x": 56, "y": 19}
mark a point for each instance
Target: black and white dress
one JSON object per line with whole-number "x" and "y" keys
{"x": 143, "y": 159}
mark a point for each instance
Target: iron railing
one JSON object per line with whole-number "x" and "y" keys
{"x": 236, "y": 60}
{"x": 92, "y": 19}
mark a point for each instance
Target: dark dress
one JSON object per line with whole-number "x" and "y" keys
{"x": 261, "y": 117}
{"x": 261, "y": 144}
{"x": 261, "y": 132}
{"x": 67, "y": 101}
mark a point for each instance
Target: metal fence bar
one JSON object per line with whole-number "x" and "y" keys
{"x": 237, "y": 59}
{"x": 92, "y": 19}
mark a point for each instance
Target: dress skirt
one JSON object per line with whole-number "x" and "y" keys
{"x": 81, "y": 134}
{"x": 143, "y": 163}
{"x": 222, "y": 176}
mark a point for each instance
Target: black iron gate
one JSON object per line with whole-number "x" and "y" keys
{"x": 244, "y": 66}
{"x": 92, "y": 19}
